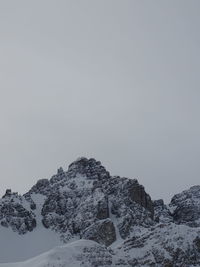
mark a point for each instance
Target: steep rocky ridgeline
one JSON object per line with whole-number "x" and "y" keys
{"x": 167, "y": 245}
{"x": 86, "y": 202}
{"x": 15, "y": 212}
{"x": 83, "y": 198}
{"x": 162, "y": 213}
{"x": 186, "y": 206}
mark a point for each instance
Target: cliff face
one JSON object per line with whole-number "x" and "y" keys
{"x": 86, "y": 195}
{"x": 83, "y": 197}
{"x": 86, "y": 202}
{"x": 186, "y": 207}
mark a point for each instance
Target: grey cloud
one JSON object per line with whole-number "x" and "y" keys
{"x": 114, "y": 80}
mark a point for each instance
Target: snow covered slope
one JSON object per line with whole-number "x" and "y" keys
{"x": 169, "y": 245}
{"x": 15, "y": 247}
{"x": 82, "y": 253}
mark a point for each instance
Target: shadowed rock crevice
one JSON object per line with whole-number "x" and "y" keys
{"x": 102, "y": 232}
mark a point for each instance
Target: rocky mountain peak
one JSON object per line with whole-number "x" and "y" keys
{"x": 86, "y": 202}
{"x": 8, "y": 193}
{"x": 90, "y": 168}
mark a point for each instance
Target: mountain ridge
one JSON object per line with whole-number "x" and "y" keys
{"x": 87, "y": 203}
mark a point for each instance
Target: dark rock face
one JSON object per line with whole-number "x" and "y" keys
{"x": 87, "y": 194}
{"x": 83, "y": 198}
{"x": 186, "y": 207}
{"x": 91, "y": 168}
{"x": 163, "y": 245}
{"x": 96, "y": 256}
{"x": 126, "y": 201}
{"x": 102, "y": 232}
{"x": 74, "y": 210}
{"x": 41, "y": 187}
{"x": 197, "y": 244}
{"x": 161, "y": 212}
{"x": 138, "y": 195}
{"x": 13, "y": 214}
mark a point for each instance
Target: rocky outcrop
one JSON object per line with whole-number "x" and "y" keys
{"x": 186, "y": 207}
{"x": 129, "y": 204}
{"x": 137, "y": 194}
{"x": 162, "y": 213}
{"x": 163, "y": 245}
{"x": 87, "y": 194}
{"x": 89, "y": 168}
{"x": 82, "y": 198}
{"x": 14, "y": 213}
{"x": 103, "y": 232}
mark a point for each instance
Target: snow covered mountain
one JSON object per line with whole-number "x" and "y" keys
{"x": 86, "y": 217}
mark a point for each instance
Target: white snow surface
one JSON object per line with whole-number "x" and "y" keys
{"x": 70, "y": 255}
{"x": 85, "y": 253}
{"x": 15, "y": 247}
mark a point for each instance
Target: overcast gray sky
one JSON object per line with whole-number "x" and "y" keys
{"x": 115, "y": 80}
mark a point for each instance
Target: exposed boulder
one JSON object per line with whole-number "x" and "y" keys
{"x": 162, "y": 213}
{"x": 13, "y": 213}
{"x": 90, "y": 168}
{"x": 138, "y": 194}
{"x": 186, "y": 207}
{"x": 102, "y": 232}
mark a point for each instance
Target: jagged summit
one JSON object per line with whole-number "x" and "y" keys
{"x": 83, "y": 162}
{"x": 84, "y": 196}
{"x": 91, "y": 168}
{"x": 186, "y": 206}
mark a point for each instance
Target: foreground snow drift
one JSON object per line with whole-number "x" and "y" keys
{"x": 163, "y": 245}
{"x": 82, "y": 253}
